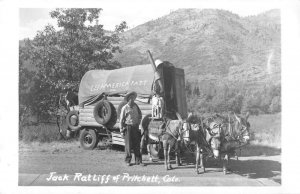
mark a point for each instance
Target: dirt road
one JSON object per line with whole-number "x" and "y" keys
{"x": 67, "y": 164}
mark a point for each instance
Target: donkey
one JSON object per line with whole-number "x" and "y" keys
{"x": 172, "y": 137}
{"x": 211, "y": 133}
{"x": 234, "y": 136}
{"x": 206, "y": 136}
{"x": 192, "y": 136}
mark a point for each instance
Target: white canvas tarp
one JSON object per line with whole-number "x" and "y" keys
{"x": 119, "y": 81}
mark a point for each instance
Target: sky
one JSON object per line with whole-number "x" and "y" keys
{"x": 32, "y": 19}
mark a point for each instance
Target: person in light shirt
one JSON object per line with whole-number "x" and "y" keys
{"x": 130, "y": 119}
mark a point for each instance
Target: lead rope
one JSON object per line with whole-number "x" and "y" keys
{"x": 189, "y": 150}
{"x": 170, "y": 132}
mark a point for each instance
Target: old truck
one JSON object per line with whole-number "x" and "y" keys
{"x": 101, "y": 94}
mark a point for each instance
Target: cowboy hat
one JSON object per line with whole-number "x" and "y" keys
{"x": 134, "y": 94}
{"x": 158, "y": 62}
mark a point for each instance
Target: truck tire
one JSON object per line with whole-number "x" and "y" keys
{"x": 72, "y": 120}
{"x": 113, "y": 118}
{"x": 103, "y": 112}
{"x": 88, "y": 139}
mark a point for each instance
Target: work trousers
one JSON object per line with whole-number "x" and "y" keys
{"x": 132, "y": 142}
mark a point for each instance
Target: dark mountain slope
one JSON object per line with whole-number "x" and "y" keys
{"x": 212, "y": 45}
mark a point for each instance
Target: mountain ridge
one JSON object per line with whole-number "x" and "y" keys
{"x": 213, "y": 45}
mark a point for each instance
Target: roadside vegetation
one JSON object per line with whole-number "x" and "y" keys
{"x": 40, "y": 133}
{"x": 265, "y": 131}
{"x": 208, "y": 97}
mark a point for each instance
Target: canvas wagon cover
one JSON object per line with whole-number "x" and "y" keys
{"x": 96, "y": 82}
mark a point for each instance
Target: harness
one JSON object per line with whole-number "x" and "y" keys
{"x": 238, "y": 135}
{"x": 170, "y": 132}
{"x": 202, "y": 135}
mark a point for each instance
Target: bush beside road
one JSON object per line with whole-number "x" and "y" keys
{"x": 266, "y": 131}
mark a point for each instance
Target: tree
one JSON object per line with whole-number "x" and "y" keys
{"x": 62, "y": 57}
{"x": 275, "y": 105}
{"x": 188, "y": 88}
{"x": 25, "y": 77}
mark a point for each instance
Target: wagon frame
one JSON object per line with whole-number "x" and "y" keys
{"x": 91, "y": 131}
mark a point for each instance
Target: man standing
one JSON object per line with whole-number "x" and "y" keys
{"x": 130, "y": 119}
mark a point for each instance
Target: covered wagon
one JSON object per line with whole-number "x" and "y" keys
{"x": 101, "y": 97}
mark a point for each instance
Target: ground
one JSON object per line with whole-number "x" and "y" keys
{"x": 38, "y": 160}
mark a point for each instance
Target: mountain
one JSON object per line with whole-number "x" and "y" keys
{"x": 210, "y": 45}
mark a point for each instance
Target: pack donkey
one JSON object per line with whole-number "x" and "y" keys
{"x": 198, "y": 139}
{"x": 207, "y": 134}
{"x": 205, "y": 140}
{"x": 172, "y": 137}
{"x": 192, "y": 139}
{"x": 234, "y": 135}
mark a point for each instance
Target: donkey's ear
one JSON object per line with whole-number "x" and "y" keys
{"x": 178, "y": 116}
{"x": 237, "y": 118}
{"x": 247, "y": 115}
{"x": 189, "y": 117}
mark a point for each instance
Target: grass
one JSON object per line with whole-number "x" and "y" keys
{"x": 266, "y": 130}
{"x": 40, "y": 133}
{"x": 53, "y": 147}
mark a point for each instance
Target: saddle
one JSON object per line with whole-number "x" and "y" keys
{"x": 156, "y": 129}
{"x": 212, "y": 131}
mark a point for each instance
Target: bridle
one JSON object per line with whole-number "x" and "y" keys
{"x": 244, "y": 132}
{"x": 186, "y": 131}
{"x": 240, "y": 133}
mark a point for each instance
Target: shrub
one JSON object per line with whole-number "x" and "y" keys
{"x": 207, "y": 97}
{"x": 275, "y": 105}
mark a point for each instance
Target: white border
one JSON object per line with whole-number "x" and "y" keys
{"x": 9, "y": 95}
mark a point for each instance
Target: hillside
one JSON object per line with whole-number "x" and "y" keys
{"x": 231, "y": 63}
{"x": 210, "y": 45}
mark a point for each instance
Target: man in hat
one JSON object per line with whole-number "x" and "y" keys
{"x": 130, "y": 119}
